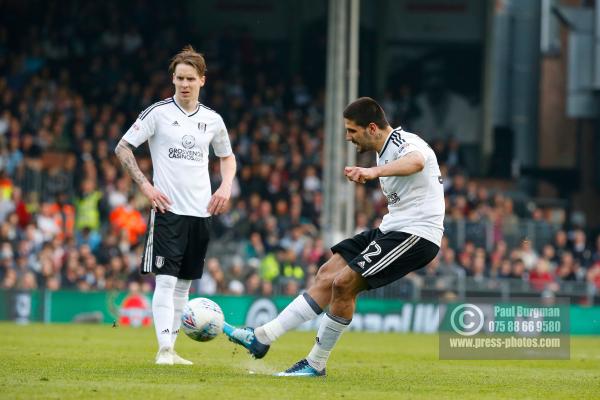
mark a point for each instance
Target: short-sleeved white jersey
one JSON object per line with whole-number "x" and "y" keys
{"x": 415, "y": 202}
{"x": 179, "y": 147}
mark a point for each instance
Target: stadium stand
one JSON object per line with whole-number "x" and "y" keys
{"x": 71, "y": 219}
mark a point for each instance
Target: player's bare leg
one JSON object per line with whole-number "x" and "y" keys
{"x": 320, "y": 291}
{"x": 346, "y": 287}
{"x": 303, "y": 308}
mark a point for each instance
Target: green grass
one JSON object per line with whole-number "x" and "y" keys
{"x": 85, "y": 361}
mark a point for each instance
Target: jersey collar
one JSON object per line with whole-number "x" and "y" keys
{"x": 183, "y": 111}
{"x": 387, "y": 140}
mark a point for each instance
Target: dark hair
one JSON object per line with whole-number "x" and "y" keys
{"x": 365, "y": 110}
{"x": 190, "y": 57}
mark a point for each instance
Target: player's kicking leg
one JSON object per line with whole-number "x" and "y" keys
{"x": 394, "y": 255}
{"x": 346, "y": 287}
{"x": 303, "y": 308}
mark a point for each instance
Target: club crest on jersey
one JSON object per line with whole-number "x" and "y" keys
{"x": 188, "y": 141}
{"x": 393, "y": 199}
{"x": 202, "y": 127}
{"x": 160, "y": 261}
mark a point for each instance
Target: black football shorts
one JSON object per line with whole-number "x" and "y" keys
{"x": 382, "y": 258}
{"x": 176, "y": 245}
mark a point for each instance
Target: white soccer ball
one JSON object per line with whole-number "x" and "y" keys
{"x": 202, "y": 319}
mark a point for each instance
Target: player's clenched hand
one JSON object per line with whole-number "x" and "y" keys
{"x": 159, "y": 200}
{"x": 219, "y": 200}
{"x": 359, "y": 175}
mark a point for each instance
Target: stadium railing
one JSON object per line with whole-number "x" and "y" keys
{"x": 484, "y": 233}
{"x": 429, "y": 288}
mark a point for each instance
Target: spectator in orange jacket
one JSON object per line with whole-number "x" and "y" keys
{"x": 127, "y": 217}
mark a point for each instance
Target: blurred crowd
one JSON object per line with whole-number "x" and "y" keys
{"x": 72, "y": 219}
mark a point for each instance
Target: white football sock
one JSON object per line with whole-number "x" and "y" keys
{"x": 303, "y": 308}
{"x": 163, "y": 309}
{"x": 180, "y": 298}
{"x": 330, "y": 330}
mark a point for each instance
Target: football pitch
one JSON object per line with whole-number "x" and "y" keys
{"x": 100, "y": 362}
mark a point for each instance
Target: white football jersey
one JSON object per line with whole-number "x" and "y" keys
{"x": 179, "y": 146}
{"x": 415, "y": 202}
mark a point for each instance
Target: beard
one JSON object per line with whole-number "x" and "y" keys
{"x": 360, "y": 148}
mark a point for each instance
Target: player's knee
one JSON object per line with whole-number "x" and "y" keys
{"x": 325, "y": 276}
{"x": 165, "y": 283}
{"x": 330, "y": 269}
{"x": 182, "y": 287}
{"x": 342, "y": 286}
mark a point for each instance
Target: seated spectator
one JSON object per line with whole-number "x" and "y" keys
{"x": 255, "y": 247}
{"x": 505, "y": 270}
{"x": 318, "y": 253}
{"x": 528, "y": 254}
{"x": 266, "y": 289}
{"x": 518, "y": 270}
{"x": 499, "y": 253}
{"x": 580, "y": 250}
{"x": 270, "y": 266}
{"x": 235, "y": 288}
{"x": 49, "y": 222}
{"x": 541, "y": 276}
{"x": 479, "y": 270}
{"x": 126, "y": 217}
{"x": 27, "y": 281}
{"x": 549, "y": 254}
{"x": 289, "y": 267}
{"x": 448, "y": 266}
{"x": 213, "y": 279}
{"x": 295, "y": 240}
{"x": 235, "y": 276}
{"x": 593, "y": 275}
{"x": 560, "y": 245}
{"x": 10, "y": 280}
{"x": 596, "y": 254}
{"x": 88, "y": 207}
{"x": 291, "y": 287}
{"x": 252, "y": 284}
{"x": 567, "y": 269}
{"x": 89, "y": 238}
{"x": 432, "y": 269}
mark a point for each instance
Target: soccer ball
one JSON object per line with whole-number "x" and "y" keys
{"x": 202, "y": 319}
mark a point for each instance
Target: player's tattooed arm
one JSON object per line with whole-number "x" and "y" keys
{"x": 124, "y": 152}
{"x": 159, "y": 200}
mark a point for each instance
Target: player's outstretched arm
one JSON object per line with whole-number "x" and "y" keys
{"x": 410, "y": 164}
{"x": 124, "y": 152}
{"x": 219, "y": 199}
